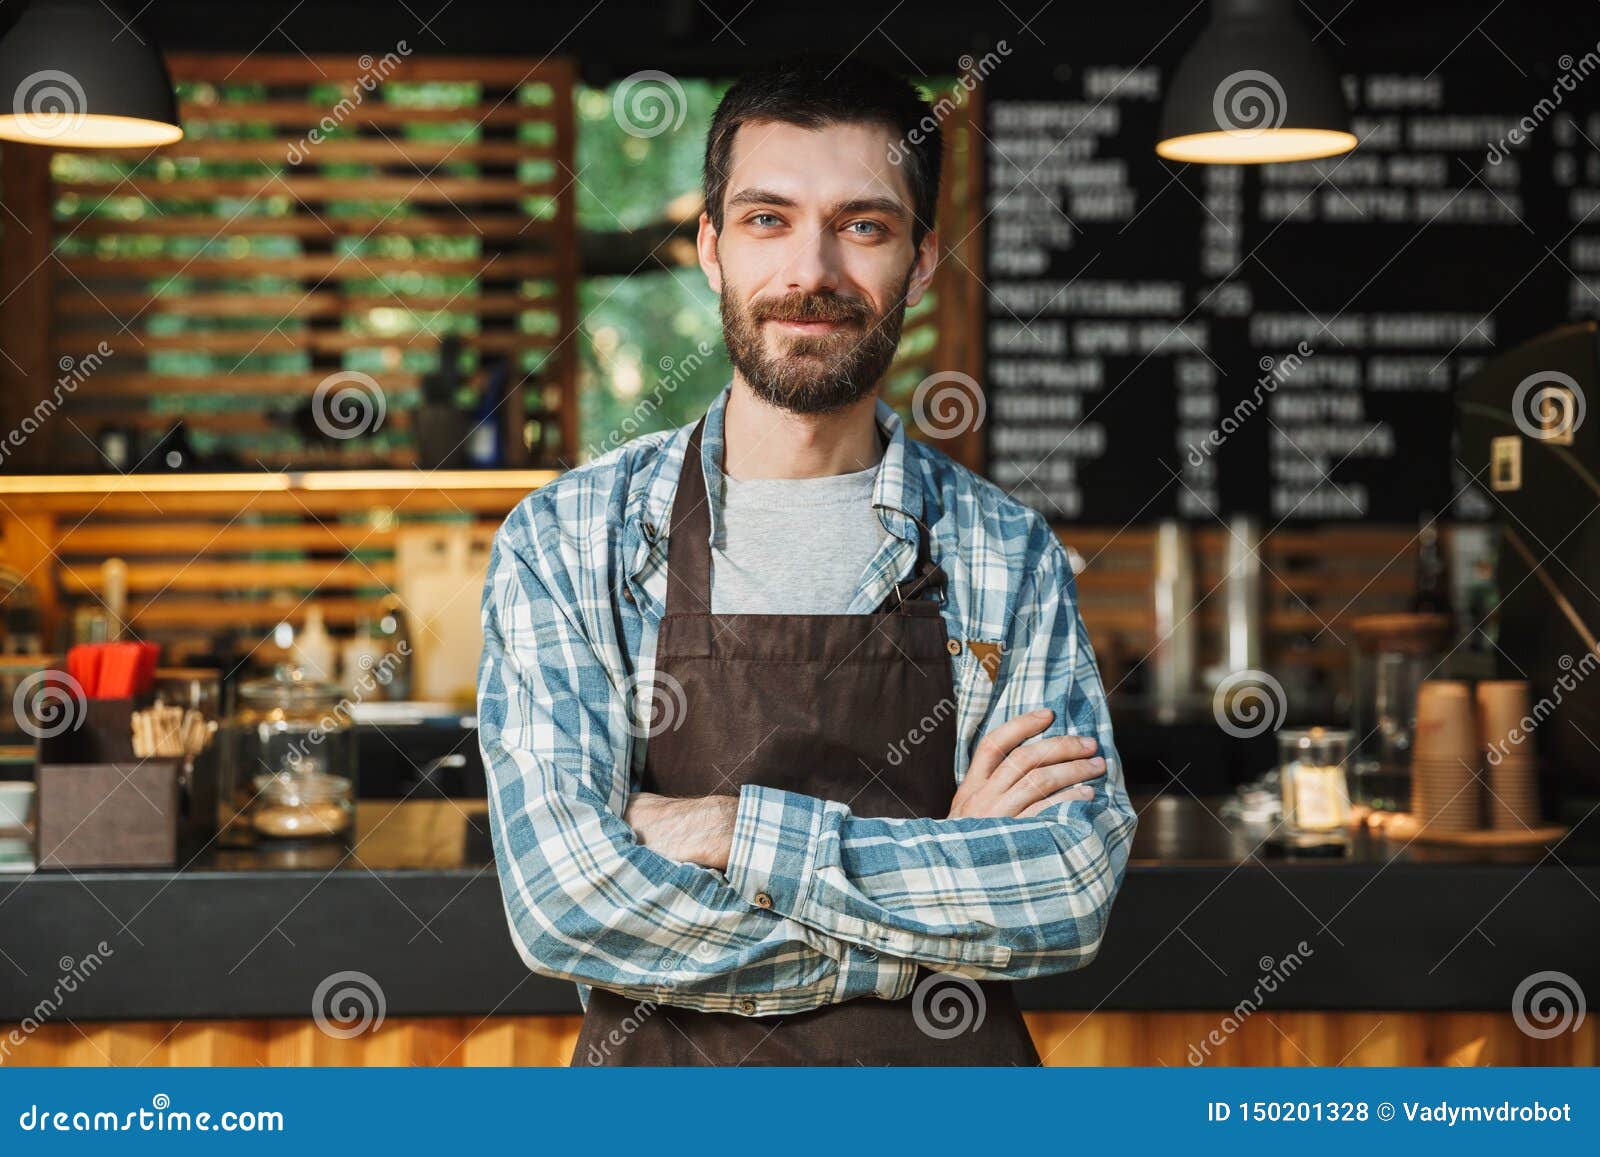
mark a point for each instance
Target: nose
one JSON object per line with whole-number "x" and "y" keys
{"x": 812, "y": 265}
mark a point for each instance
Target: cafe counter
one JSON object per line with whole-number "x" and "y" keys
{"x": 395, "y": 951}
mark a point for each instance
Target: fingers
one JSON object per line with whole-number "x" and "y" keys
{"x": 1043, "y": 782}
{"x": 1078, "y": 792}
{"x": 1056, "y": 749}
{"x": 997, "y": 744}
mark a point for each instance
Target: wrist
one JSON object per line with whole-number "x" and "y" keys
{"x": 693, "y": 831}
{"x": 717, "y": 827}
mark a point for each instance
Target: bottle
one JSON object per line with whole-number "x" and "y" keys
{"x": 392, "y": 626}
{"x": 313, "y": 648}
{"x": 171, "y": 451}
{"x": 483, "y": 447}
{"x": 1433, "y": 580}
{"x": 361, "y": 661}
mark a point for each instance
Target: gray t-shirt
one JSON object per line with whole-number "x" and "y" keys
{"x": 794, "y": 546}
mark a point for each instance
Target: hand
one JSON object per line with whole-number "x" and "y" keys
{"x": 1008, "y": 777}
{"x": 691, "y": 831}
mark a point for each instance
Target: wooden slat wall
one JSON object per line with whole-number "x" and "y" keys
{"x": 1063, "y": 1039}
{"x": 198, "y": 563}
{"x": 240, "y": 558}
{"x": 1313, "y": 582}
{"x": 232, "y": 272}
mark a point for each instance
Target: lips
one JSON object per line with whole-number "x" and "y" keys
{"x": 810, "y": 326}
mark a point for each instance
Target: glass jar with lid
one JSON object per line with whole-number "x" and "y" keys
{"x": 1316, "y": 794}
{"x": 293, "y": 767}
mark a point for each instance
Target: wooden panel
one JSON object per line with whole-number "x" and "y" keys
{"x": 1313, "y": 583}
{"x": 1062, "y": 1038}
{"x": 227, "y": 554}
{"x": 314, "y": 220}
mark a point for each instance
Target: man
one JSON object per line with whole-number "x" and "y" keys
{"x": 734, "y": 676}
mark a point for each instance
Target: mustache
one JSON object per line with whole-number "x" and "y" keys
{"x": 811, "y": 307}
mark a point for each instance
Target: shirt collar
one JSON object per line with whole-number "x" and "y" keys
{"x": 895, "y": 495}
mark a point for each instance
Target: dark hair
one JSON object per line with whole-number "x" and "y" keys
{"x": 813, "y": 92}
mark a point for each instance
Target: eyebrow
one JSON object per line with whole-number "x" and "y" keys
{"x": 885, "y": 205}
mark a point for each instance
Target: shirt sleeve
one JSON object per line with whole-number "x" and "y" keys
{"x": 994, "y": 898}
{"x": 584, "y": 900}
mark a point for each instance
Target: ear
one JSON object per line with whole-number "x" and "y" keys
{"x": 927, "y": 265}
{"x": 705, "y": 244}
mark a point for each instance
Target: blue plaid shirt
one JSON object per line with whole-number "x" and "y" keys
{"x": 575, "y": 592}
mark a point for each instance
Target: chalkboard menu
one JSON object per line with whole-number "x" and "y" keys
{"x": 1188, "y": 341}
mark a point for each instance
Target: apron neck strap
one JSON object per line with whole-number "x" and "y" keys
{"x": 689, "y": 547}
{"x": 689, "y": 537}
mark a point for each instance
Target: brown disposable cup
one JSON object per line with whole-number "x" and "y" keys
{"x": 1446, "y": 729}
{"x": 1502, "y": 706}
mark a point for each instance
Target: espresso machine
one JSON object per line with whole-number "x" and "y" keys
{"x": 1525, "y": 435}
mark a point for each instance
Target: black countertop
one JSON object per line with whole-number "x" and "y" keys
{"x": 1207, "y": 913}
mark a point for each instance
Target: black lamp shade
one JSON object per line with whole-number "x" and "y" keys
{"x": 1254, "y": 88}
{"x": 72, "y": 75}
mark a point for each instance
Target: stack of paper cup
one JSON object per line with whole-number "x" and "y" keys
{"x": 1512, "y": 764}
{"x": 1444, "y": 759}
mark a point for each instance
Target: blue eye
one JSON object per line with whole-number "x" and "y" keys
{"x": 872, "y": 225}
{"x": 764, "y": 218}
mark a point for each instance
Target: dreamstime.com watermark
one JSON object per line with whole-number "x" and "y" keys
{"x": 656, "y": 703}
{"x": 348, "y": 1004}
{"x": 373, "y": 676}
{"x": 945, "y": 1006}
{"x": 1524, "y": 728}
{"x": 347, "y": 404}
{"x": 674, "y": 373}
{"x": 373, "y": 74}
{"x": 920, "y": 732}
{"x": 1573, "y": 72}
{"x": 74, "y": 973}
{"x": 1273, "y": 974}
{"x": 1248, "y": 703}
{"x": 160, "y": 1117}
{"x": 1249, "y": 102}
{"x": 649, "y": 103}
{"x": 49, "y": 703}
{"x": 974, "y": 71}
{"x": 948, "y": 404}
{"x": 49, "y": 104}
{"x": 1549, "y": 406}
{"x": 1547, "y": 1004}
{"x": 74, "y": 372}
{"x": 1274, "y": 374}
{"x": 601, "y": 1050}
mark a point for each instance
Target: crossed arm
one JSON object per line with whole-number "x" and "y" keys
{"x": 660, "y": 896}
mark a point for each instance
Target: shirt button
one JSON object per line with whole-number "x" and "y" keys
{"x": 763, "y": 900}
{"x": 627, "y": 594}
{"x": 650, "y": 529}
{"x": 953, "y": 646}
{"x": 869, "y": 954}
{"x": 747, "y": 1006}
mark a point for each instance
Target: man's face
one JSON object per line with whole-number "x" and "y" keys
{"x": 814, "y": 263}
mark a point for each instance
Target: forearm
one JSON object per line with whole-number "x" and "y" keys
{"x": 694, "y": 831}
{"x": 998, "y": 897}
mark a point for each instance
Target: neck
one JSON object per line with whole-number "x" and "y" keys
{"x": 763, "y": 441}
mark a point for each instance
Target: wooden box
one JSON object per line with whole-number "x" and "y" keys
{"x": 98, "y": 805}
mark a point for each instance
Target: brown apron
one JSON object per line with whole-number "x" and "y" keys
{"x": 810, "y": 704}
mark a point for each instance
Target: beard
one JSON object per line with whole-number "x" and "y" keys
{"x": 813, "y": 373}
